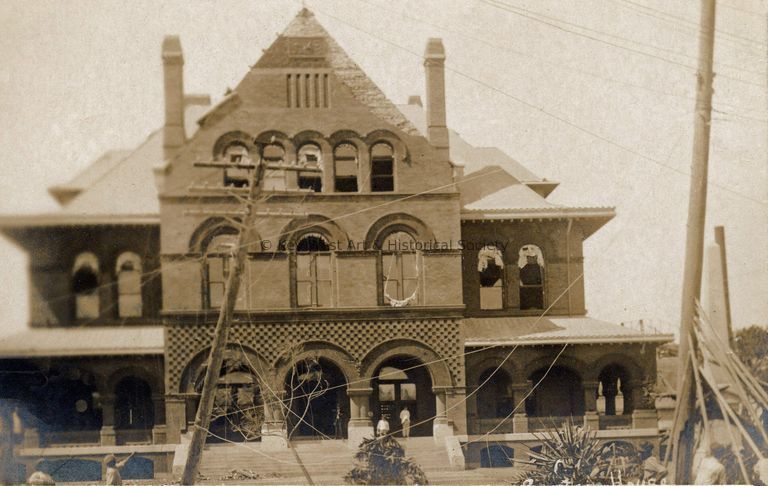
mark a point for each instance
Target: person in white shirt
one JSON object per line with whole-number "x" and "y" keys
{"x": 382, "y": 428}
{"x": 405, "y": 420}
{"x": 711, "y": 469}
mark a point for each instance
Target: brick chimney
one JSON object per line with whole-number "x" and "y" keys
{"x": 434, "y": 65}
{"x": 173, "y": 82}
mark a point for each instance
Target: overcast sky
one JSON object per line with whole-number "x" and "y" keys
{"x": 596, "y": 94}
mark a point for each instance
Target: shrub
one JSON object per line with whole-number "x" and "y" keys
{"x": 382, "y": 461}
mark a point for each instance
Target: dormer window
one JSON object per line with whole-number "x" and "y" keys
{"x": 236, "y": 154}
{"x": 85, "y": 286}
{"x": 310, "y": 156}
{"x": 531, "y": 264}
{"x": 345, "y": 168}
{"x": 490, "y": 266}
{"x": 382, "y": 168}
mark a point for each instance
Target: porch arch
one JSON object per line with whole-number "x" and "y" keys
{"x": 408, "y": 348}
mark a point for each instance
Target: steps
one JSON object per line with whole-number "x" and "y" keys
{"x": 325, "y": 461}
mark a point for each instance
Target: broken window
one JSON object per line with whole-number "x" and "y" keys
{"x": 400, "y": 269}
{"x": 382, "y": 168}
{"x": 85, "y": 286}
{"x": 345, "y": 168}
{"x": 218, "y": 259}
{"x": 490, "y": 266}
{"x": 310, "y": 156}
{"x": 128, "y": 285}
{"x": 274, "y": 180}
{"x": 236, "y": 154}
{"x": 313, "y": 271}
{"x": 531, "y": 264}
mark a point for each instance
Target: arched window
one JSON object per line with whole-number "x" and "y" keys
{"x": 531, "y": 264}
{"x": 400, "y": 269}
{"x": 85, "y": 286}
{"x": 490, "y": 266}
{"x": 128, "y": 285}
{"x": 345, "y": 167}
{"x": 382, "y": 168}
{"x": 313, "y": 271}
{"x": 311, "y": 156}
{"x": 274, "y": 180}
{"x": 236, "y": 154}
{"x": 218, "y": 258}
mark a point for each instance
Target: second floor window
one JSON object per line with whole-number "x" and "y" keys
{"x": 129, "y": 285}
{"x": 274, "y": 180}
{"x": 490, "y": 266}
{"x": 310, "y": 156}
{"x": 400, "y": 269}
{"x": 236, "y": 154}
{"x": 382, "y": 168}
{"x": 218, "y": 259}
{"x": 531, "y": 264}
{"x": 85, "y": 286}
{"x": 313, "y": 272}
{"x": 345, "y": 167}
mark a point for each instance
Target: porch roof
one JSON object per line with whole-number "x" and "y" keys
{"x": 83, "y": 341}
{"x": 532, "y": 331}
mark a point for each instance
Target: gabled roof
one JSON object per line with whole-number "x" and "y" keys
{"x": 306, "y": 43}
{"x": 64, "y": 193}
{"x": 534, "y": 331}
{"x": 84, "y": 341}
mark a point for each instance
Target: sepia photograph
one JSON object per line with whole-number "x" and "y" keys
{"x": 513, "y": 242}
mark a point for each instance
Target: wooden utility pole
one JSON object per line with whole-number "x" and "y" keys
{"x": 231, "y": 289}
{"x": 216, "y": 356}
{"x": 682, "y": 439}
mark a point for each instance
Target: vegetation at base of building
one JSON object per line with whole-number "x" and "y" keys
{"x": 751, "y": 345}
{"x": 573, "y": 455}
{"x": 382, "y": 461}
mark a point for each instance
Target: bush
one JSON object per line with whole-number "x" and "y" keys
{"x": 382, "y": 461}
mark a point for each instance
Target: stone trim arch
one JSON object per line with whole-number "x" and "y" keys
{"x": 474, "y": 370}
{"x": 635, "y": 371}
{"x": 229, "y": 138}
{"x": 349, "y": 136}
{"x": 381, "y": 227}
{"x": 574, "y": 364}
{"x": 314, "y": 223}
{"x": 196, "y": 365}
{"x": 320, "y": 349}
{"x": 277, "y": 137}
{"x": 154, "y": 380}
{"x": 399, "y": 148}
{"x": 436, "y": 366}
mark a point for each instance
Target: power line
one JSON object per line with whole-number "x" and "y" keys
{"x": 546, "y": 112}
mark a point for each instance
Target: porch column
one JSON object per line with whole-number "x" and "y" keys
{"x": 440, "y": 426}
{"x": 360, "y": 425}
{"x": 6, "y": 443}
{"x": 175, "y": 418}
{"x": 520, "y": 418}
{"x": 107, "y": 433}
{"x": 644, "y": 415}
{"x": 274, "y": 430}
{"x": 158, "y": 412}
{"x": 591, "y": 417}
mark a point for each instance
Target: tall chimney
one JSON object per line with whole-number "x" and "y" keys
{"x": 434, "y": 64}
{"x": 173, "y": 82}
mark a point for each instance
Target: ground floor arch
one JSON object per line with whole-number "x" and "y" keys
{"x": 403, "y": 382}
{"x": 315, "y": 401}
{"x": 559, "y": 393}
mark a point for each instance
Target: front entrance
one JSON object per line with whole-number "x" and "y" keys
{"x": 237, "y": 412}
{"x": 398, "y": 385}
{"x": 316, "y": 395}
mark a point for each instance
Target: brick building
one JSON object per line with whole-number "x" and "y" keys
{"x": 411, "y": 271}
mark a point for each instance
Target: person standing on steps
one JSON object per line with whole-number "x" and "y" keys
{"x": 405, "y": 420}
{"x": 382, "y": 428}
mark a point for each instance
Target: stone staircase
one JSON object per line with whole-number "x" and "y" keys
{"x": 324, "y": 461}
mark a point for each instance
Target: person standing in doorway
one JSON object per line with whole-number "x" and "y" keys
{"x": 405, "y": 420}
{"x": 382, "y": 428}
{"x": 338, "y": 424}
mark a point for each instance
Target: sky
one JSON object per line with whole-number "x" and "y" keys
{"x": 595, "y": 94}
